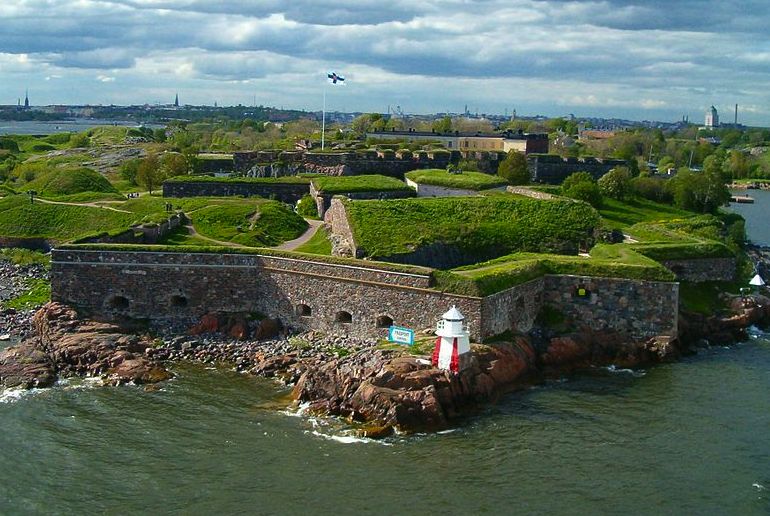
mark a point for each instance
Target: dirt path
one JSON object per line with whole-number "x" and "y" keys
{"x": 192, "y": 232}
{"x": 86, "y": 204}
{"x": 290, "y": 245}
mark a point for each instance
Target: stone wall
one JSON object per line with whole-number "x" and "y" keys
{"x": 339, "y": 298}
{"x": 141, "y": 234}
{"x": 424, "y": 190}
{"x": 35, "y": 244}
{"x": 553, "y": 169}
{"x": 340, "y": 233}
{"x": 640, "y": 309}
{"x": 284, "y": 192}
{"x": 323, "y": 200}
{"x": 345, "y": 163}
{"x": 703, "y": 269}
{"x": 512, "y": 310}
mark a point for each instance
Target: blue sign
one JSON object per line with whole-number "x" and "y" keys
{"x": 401, "y": 335}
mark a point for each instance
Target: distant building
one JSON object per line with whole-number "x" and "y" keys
{"x": 712, "y": 118}
{"x": 26, "y": 99}
{"x": 472, "y": 142}
{"x": 176, "y": 100}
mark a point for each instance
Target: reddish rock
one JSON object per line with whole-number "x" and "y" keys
{"x": 209, "y": 323}
{"x": 267, "y": 329}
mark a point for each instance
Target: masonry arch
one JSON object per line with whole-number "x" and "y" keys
{"x": 384, "y": 321}
{"x": 303, "y": 310}
{"x": 178, "y": 301}
{"x": 119, "y": 302}
{"x": 343, "y": 317}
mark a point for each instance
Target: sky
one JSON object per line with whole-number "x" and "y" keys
{"x": 641, "y": 60}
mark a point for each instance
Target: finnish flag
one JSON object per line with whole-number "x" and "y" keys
{"x": 334, "y": 78}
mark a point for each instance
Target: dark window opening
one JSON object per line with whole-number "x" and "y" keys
{"x": 119, "y": 303}
{"x": 384, "y": 321}
{"x": 343, "y": 317}
{"x": 178, "y": 301}
{"x": 304, "y": 310}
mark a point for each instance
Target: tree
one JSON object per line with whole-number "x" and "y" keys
{"x": 585, "y": 191}
{"x": 575, "y": 178}
{"x": 616, "y": 183}
{"x": 514, "y": 168}
{"x": 129, "y": 170}
{"x": 703, "y": 192}
{"x": 149, "y": 173}
{"x": 173, "y": 164}
{"x": 443, "y": 125}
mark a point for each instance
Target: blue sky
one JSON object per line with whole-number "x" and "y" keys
{"x": 641, "y": 60}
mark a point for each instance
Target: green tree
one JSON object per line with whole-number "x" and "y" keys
{"x": 442, "y": 126}
{"x": 575, "y": 178}
{"x": 129, "y": 170}
{"x": 149, "y": 173}
{"x": 173, "y": 164}
{"x": 702, "y": 192}
{"x": 616, "y": 183}
{"x": 586, "y": 191}
{"x": 514, "y": 168}
{"x": 159, "y": 135}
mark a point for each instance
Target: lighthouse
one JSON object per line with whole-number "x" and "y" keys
{"x": 453, "y": 347}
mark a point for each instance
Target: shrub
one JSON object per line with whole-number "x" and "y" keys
{"x": 306, "y": 207}
{"x": 651, "y": 189}
{"x": 585, "y": 191}
{"x": 577, "y": 177}
{"x": 616, "y": 183}
{"x": 514, "y": 168}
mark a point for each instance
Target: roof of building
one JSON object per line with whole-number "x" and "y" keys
{"x": 453, "y": 315}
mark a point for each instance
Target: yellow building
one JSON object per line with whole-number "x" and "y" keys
{"x": 472, "y": 142}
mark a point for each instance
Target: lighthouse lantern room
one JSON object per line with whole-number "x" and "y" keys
{"x": 453, "y": 348}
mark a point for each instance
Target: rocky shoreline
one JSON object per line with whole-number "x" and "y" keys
{"x": 15, "y": 324}
{"x": 381, "y": 389}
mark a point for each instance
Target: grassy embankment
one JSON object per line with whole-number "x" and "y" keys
{"x": 251, "y": 222}
{"x": 465, "y": 181}
{"x": 482, "y": 226}
{"x": 318, "y": 244}
{"x": 334, "y": 185}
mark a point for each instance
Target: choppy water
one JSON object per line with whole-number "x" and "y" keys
{"x": 686, "y": 438}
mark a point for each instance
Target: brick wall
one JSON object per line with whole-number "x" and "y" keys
{"x": 284, "y": 192}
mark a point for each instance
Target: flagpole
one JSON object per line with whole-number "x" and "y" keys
{"x": 323, "y": 120}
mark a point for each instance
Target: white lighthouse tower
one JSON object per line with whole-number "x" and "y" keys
{"x": 453, "y": 347}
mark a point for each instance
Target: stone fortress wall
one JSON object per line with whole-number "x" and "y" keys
{"x": 360, "y": 300}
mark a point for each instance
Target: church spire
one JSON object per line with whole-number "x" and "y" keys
{"x": 26, "y": 99}
{"x": 176, "y": 100}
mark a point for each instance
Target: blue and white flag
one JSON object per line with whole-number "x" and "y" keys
{"x": 334, "y": 78}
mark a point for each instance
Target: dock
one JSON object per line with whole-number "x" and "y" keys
{"x": 742, "y": 199}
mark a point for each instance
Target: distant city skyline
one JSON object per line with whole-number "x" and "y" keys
{"x": 650, "y": 60}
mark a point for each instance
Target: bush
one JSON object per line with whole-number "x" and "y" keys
{"x": 306, "y": 207}
{"x": 585, "y": 191}
{"x": 577, "y": 177}
{"x": 616, "y": 183}
{"x": 651, "y": 189}
{"x": 514, "y": 168}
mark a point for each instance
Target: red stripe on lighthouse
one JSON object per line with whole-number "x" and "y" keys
{"x": 436, "y": 352}
{"x": 454, "y": 365}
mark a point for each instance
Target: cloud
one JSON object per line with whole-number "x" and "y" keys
{"x": 639, "y": 57}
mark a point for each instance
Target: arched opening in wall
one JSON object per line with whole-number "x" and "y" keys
{"x": 304, "y": 310}
{"x": 343, "y": 317}
{"x": 678, "y": 270}
{"x": 178, "y": 301}
{"x": 119, "y": 303}
{"x": 384, "y": 321}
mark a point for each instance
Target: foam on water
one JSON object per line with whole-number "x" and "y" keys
{"x": 638, "y": 373}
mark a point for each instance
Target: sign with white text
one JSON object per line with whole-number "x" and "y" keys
{"x": 401, "y": 335}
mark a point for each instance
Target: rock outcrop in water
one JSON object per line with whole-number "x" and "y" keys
{"x": 394, "y": 390}
{"x": 63, "y": 345}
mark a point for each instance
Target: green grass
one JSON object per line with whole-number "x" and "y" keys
{"x": 477, "y": 226}
{"x": 249, "y": 222}
{"x": 57, "y": 182}
{"x": 318, "y": 244}
{"x": 614, "y": 261}
{"x": 20, "y": 256}
{"x": 38, "y": 293}
{"x": 465, "y": 181}
{"x": 350, "y": 184}
{"x": 622, "y": 214}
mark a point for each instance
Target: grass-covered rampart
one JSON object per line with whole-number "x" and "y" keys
{"x": 463, "y": 181}
{"x": 476, "y": 226}
{"x": 333, "y": 185}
